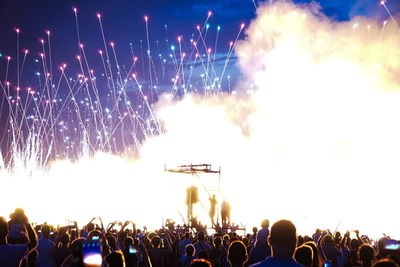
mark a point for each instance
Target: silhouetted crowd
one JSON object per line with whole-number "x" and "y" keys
{"x": 122, "y": 244}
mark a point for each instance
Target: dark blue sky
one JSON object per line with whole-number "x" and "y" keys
{"x": 124, "y": 24}
{"x": 124, "y": 18}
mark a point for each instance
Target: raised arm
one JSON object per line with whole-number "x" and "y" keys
{"x": 110, "y": 226}
{"x": 358, "y": 236}
{"x": 33, "y": 240}
{"x": 345, "y": 240}
{"x": 101, "y": 222}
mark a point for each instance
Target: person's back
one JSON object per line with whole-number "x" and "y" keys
{"x": 186, "y": 241}
{"x": 16, "y": 234}
{"x": 45, "y": 249}
{"x": 331, "y": 252}
{"x": 75, "y": 257}
{"x": 201, "y": 244}
{"x": 158, "y": 256}
{"x": 17, "y": 231}
{"x": 186, "y": 260}
{"x": 62, "y": 251}
{"x": 60, "y": 254}
{"x": 218, "y": 252}
{"x": 261, "y": 250}
{"x": 12, "y": 255}
{"x": 283, "y": 240}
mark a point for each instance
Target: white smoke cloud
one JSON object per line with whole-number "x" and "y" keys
{"x": 317, "y": 142}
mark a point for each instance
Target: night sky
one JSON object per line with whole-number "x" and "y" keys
{"x": 124, "y": 25}
{"x": 123, "y": 20}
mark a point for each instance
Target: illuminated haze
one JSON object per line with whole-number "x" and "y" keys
{"x": 311, "y": 135}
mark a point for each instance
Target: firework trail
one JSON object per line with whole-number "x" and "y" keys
{"x": 67, "y": 117}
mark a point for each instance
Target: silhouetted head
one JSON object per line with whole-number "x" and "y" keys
{"x": 355, "y": 244}
{"x": 366, "y": 253}
{"x": 226, "y": 237}
{"x": 74, "y": 234}
{"x": 328, "y": 240}
{"x": 300, "y": 240}
{"x": 94, "y": 233}
{"x": 90, "y": 227}
{"x": 187, "y": 235}
{"x": 304, "y": 255}
{"x": 115, "y": 259}
{"x": 283, "y": 237}
{"x": 112, "y": 242}
{"x": 245, "y": 241}
{"x": 64, "y": 239}
{"x": 265, "y": 223}
{"x": 217, "y": 241}
{"x": 17, "y": 215}
{"x": 237, "y": 253}
{"x": 46, "y": 231}
{"x": 307, "y": 239}
{"x": 201, "y": 236}
{"x": 189, "y": 250}
{"x": 128, "y": 241}
{"x": 200, "y": 263}
{"x": 156, "y": 241}
{"x": 151, "y": 235}
{"x": 338, "y": 237}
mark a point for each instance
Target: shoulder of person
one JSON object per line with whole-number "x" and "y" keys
{"x": 19, "y": 247}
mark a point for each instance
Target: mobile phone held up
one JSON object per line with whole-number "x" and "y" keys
{"x": 133, "y": 250}
{"x": 91, "y": 253}
{"x": 391, "y": 245}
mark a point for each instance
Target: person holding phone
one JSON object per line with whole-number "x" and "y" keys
{"x": 131, "y": 252}
{"x": 12, "y": 255}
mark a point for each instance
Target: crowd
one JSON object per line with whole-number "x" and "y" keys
{"x": 122, "y": 244}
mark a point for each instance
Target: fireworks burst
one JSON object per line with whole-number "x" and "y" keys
{"x": 109, "y": 110}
